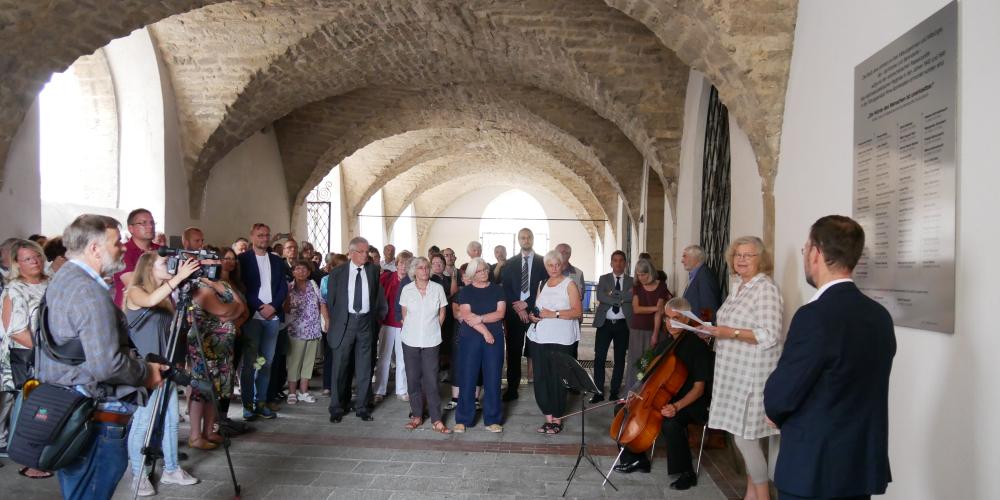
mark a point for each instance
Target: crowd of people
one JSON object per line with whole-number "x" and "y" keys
{"x": 275, "y": 308}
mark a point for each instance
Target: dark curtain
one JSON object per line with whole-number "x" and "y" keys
{"x": 715, "y": 191}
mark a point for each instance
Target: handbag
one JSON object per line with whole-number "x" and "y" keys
{"x": 22, "y": 365}
{"x": 322, "y": 321}
{"x": 51, "y": 424}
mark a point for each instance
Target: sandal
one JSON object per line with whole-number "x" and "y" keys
{"x": 24, "y": 472}
{"x": 413, "y": 423}
{"x": 440, "y": 427}
{"x": 202, "y": 444}
{"x": 554, "y": 428}
{"x": 544, "y": 429}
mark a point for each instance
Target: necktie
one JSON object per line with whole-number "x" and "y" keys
{"x": 524, "y": 275}
{"x": 618, "y": 286}
{"x": 357, "y": 291}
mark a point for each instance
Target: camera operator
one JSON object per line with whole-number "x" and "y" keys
{"x": 149, "y": 297}
{"x": 80, "y": 309}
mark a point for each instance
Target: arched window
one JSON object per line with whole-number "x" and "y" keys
{"x": 404, "y": 232}
{"x": 79, "y": 143}
{"x": 370, "y": 221}
{"x": 505, "y": 216}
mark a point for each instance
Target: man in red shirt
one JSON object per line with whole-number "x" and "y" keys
{"x": 142, "y": 227}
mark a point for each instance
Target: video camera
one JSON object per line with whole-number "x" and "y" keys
{"x": 177, "y": 255}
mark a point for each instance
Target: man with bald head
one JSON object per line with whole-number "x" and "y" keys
{"x": 193, "y": 239}
{"x": 389, "y": 258}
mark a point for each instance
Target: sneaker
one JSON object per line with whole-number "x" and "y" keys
{"x": 458, "y": 429}
{"x": 249, "y": 413}
{"x": 179, "y": 476}
{"x": 264, "y": 412}
{"x": 403, "y": 397}
{"x": 326, "y": 392}
{"x": 494, "y": 428}
{"x": 451, "y": 405}
{"x": 145, "y": 487}
{"x": 305, "y": 397}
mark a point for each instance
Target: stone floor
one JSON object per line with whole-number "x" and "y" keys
{"x": 301, "y": 455}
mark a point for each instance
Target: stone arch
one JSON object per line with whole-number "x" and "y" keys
{"x": 420, "y": 126}
{"x": 434, "y": 201}
{"x": 626, "y": 76}
{"x": 511, "y": 158}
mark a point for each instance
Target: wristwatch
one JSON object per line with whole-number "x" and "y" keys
{"x": 736, "y": 334}
{"x": 557, "y": 314}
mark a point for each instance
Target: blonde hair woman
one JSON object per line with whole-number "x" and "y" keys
{"x": 150, "y": 291}
{"x": 747, "y": 348}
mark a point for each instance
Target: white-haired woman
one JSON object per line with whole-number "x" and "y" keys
{"x": 556, "y": 330}
{"x": 423, "y": 303}
{"x": 747, "y": 347}
{"x": 481, "y": 347}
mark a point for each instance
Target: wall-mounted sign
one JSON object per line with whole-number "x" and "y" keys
{"x": 905, "y": 107}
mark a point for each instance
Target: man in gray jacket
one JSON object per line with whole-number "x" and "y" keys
{"x": 614, "y": 294}
{"x": 81, "y": 311}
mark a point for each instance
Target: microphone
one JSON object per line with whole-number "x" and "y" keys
{"x": 166, "y": 251}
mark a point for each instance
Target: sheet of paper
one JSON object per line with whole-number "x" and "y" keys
{"x": 694, "y": 317}
{"x": 678, "y": 324}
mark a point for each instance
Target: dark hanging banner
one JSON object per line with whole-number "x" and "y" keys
{"x": 715, "y": 191}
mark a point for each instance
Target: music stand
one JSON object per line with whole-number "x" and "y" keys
{"x": 576, "y": 377}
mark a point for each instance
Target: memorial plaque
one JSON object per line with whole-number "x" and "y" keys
{"x": 905, "y": 107}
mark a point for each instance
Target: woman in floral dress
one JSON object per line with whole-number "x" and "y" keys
{"x": 215, "y": 314}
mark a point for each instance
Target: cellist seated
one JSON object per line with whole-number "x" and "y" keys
{"x": 690, "y": 405}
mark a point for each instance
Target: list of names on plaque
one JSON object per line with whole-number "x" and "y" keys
{"x": 904, "y": 173}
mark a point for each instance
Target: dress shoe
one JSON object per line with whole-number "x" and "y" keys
{"x": 335, "y": 419}
{"x": 687, "y": 480}
{"x": 635, "y": 465}
{"x": 613, "y": 397}
{"x": 596, "y": 399}
{"x": 367, "y": 417}
{"x": 509, "y": 395}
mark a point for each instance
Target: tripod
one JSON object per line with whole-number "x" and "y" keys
{"x": 576, "y": 377}
{"x": 151, "y": 449}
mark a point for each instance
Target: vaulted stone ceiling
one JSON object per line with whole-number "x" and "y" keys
{"x": 594, "y": 86}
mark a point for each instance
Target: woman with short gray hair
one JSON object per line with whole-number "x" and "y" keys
{"x": 556, "y": 328}
{"x": 423, "y": 303}
{"x": 650, "y": 294}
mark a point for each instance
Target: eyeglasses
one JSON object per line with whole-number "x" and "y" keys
{"x": 744, "y": 256}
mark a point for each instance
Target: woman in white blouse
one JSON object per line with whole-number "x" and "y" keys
{"x": 423, "y": 304}
{"x": 556, "y": 329}
{"x": 747, "y": 348}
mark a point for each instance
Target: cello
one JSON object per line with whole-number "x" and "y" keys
{"x": 637, "y": 424}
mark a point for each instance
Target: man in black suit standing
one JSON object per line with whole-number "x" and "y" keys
{"x": 357, "y": 306}
{"x": 521, "y": 276}
{"x": 830, "y": 391}
{"x": 702, "y": 289}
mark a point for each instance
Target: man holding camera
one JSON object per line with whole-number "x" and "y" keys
{"x": 80, "y": 310}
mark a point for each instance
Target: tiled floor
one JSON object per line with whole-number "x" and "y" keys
{"x": 301, "y": 455}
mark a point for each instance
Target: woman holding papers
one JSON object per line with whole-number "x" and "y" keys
{"x": 746, "y": 352}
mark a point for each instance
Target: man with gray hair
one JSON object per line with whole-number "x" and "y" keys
{"x": 357, "y": 307}
{"x": 83, "y": 317}
{"x": 702, "y": 288}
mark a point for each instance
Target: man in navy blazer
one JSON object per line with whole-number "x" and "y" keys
{"x": 263, "y": 274}
{"x": 520, "y": 279}
{"x": 830, "y": 391}
{"x": 702, "y": 289}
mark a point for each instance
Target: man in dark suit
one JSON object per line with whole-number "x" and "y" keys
{"x": 830, "y": 391}
{"x": 357, "y": 307}
{"x": 702, "y": 289}
{"x": 521, "y": 276}
{"x": 613, "y": 315}
{"x": 263, "y": 274}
